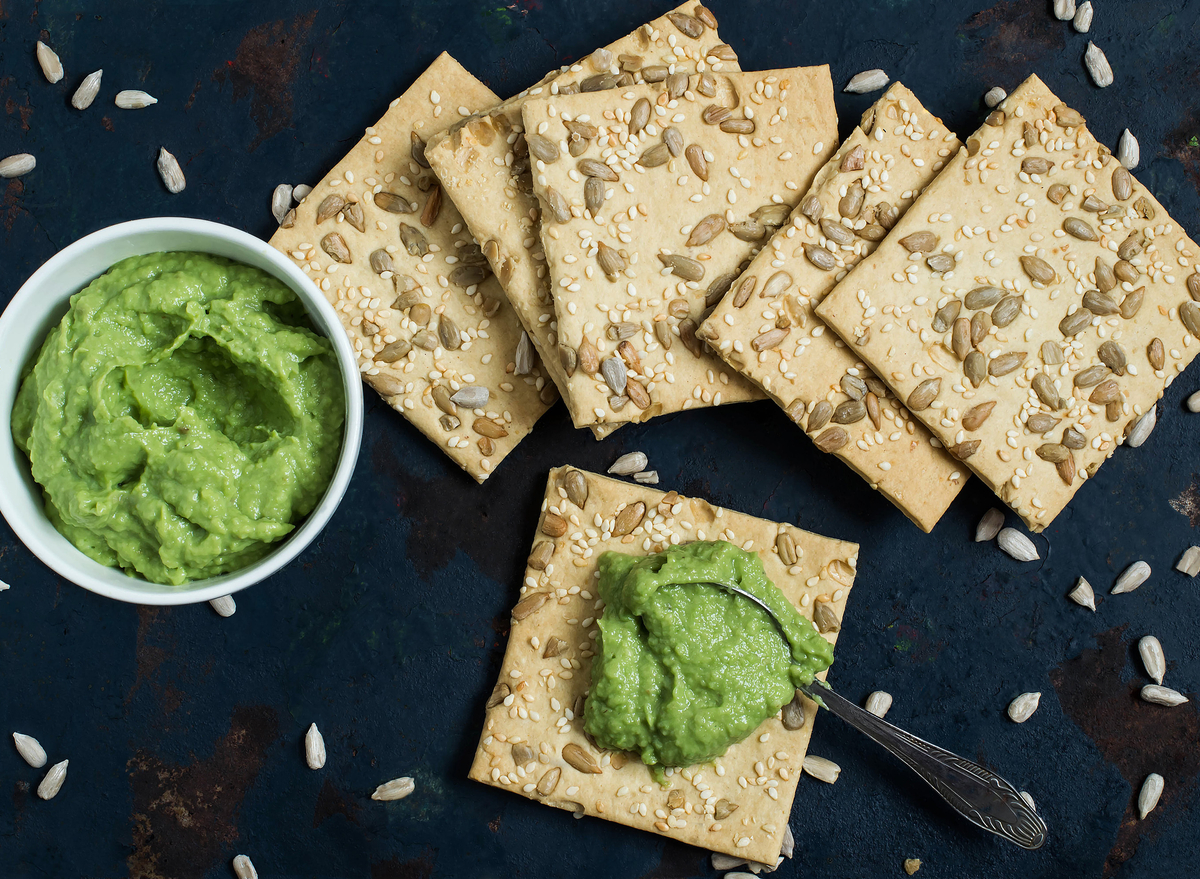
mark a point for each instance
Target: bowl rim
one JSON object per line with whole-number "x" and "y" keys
{"x": 61, "y": 555}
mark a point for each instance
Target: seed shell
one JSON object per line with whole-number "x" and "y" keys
{"x": 1017, "y": 545}
{"x": 1153, "y": 658}
{"x": 1151, "y": 790}
{"x": 30, "y": 750}
{"x": 1021, "y": 708}
{"x": 1131, "y": 578}
{"x": 397, "y": 789}
{"x": 53, "y": 782}
{"x": 1083, "y": 595}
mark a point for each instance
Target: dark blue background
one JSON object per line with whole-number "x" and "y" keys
{"x": 184, "y": 730}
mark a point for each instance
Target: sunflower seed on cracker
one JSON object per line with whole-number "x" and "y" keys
{"x": 1150, "y": 649}
{"x": 1131, "y": 578}
{"x": 1017, "y": 545}
{"x": 470, "y": 396}
{"x": 879, "y": 702}
{"x": 30, "y": 750}
{"x": 243, "y": 868}
{"x": 170, "y": 172}
{"x": 1151, "y": 790}
{"x": 53, "y": 782}
{"x": 397, "y": 789}
{"x": 866, "y": 81}
{"x": 1083, "y": 595}
{"x": 87, "y": 91}
{"x": 629, "y": 463}
{"x": 989, "y": 526}
{"x": 17, "y": 165}
{"x": 1021, "y": 708}
{"x": 1160, "y": 695}
{"x": 314, "y": 747}
{"x": 1128, "y": 151}
{"x": 1082, "y": 22}
{"x": 134, "y": 99}
{"x": 1189, "y": 562}
{"x": 1097, "y": 65}
{"x": 821, "y": 769}
{"x": 48, "y": 60}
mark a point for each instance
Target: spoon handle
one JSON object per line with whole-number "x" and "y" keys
{"x": 979, "y": 795}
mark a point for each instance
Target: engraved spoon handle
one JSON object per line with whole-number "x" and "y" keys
{"x": 979, "y": 795}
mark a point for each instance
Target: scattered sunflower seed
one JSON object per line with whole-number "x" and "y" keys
{"x": 281, "y": 201}
{"x": 1021, "y": 708}
{"x": 879, "y": 702}
{"x": 301, "y": 191}
{"x": 1017, "y": 545}
{"x": 134, "y": 99}
{"x": 646, "y": 477}
{"x": 396, "y": 789}
{"x": 1083, "y": 595}
{"x": 1193, "y": 402}
{"x": 1064, "y": 10}
{"x": 30, "y": 750}
{"x": 169, "y": 170}
{"x": 989, "y": 526}
{"x": 243, "y": 868}
{"x": 1153, "y": 658}
{"x": 1150, "y": 693}
{"x": 628, "y": 464}
{"x": 1128, "y": 151}
{"x": 911, "y": 865}
{"x": 1152, "y": 789}
{"x": 1082, "y": 22}
{"x": 867, "y": 81}
{"x": 87, "y": 91}
{"x": 17, "y": 165}
{"x": 821, "y": 769}
{"x": 1189, "y": 562}
{"x": 1097, "y": 65}
{"x": 994, "y": 96}
{"x": 53, "y": 781}
{"x": 1131, "y": 578}
{"x": 224, "y": 606}
{"x": 1141, "y": 429}
{"x": 471, "y": 396}
{"x": 314, "y": 747}
{"x": 48, "y": 60}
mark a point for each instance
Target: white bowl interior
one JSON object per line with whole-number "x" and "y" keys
{"x": 40, "y": 304}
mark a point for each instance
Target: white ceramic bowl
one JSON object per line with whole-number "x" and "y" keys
{"x": 40, "y": 304}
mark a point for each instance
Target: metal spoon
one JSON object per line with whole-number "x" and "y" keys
{"x": 979, "y": 795}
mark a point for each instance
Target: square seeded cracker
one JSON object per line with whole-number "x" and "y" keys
{"x": 533, "y": 742}
{"x": 780, "y": 344}
{"x": 483, "y": 162}
{"x": 1093, "y": 318}
{"x": 406, "y": 278}
{"x": 684, "y": 187}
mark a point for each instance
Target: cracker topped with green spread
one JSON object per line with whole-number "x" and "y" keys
{"x": 653, "y": 198}
{"x": 1030, "y": 307}
{"x": 767, "y": 329}
{"x": 534, "y": 742}
{"x": 434, "y": 333}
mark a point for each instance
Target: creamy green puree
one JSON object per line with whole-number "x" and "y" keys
{"x": 182, "y": 417}
{"x": 682, "y": 673}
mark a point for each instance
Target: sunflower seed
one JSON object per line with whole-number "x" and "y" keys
{"x": 836, "y": 232}
{"x": 1080, "y": 229}
{"x": 940, "y": 262}
{"x": 1122, "y": 186}
{"x": 335, "y": 245}
{"x": 853, "y": 160}
{"x": 989, "y": 525}
{"x": 596, "y": 168}
{"x": 646, "y": 477}
{"x": 1051, "y": 353}
{"x": 1141, "y": 429}
{"x": 1038, "y": 269}
{"x": 867, "y": 81}
{"x": 1075, "y": 322}
{"x": 994, "y": 96}
{"x": 945, "y": 316}
{"x": 224, "y": 606}
{"x": 820, "y": 257}
{"x": 1043, "y": 386}
{"x": 542, "y": 148}
{"x": 1017, "y": 545}
{"x": 1091, "y": 376}
{"x": 825, "y": 618}
{"x": 715, "y": 114}
{"x": 580, "y": 759}
{"x": 1036, "y": 165}
{"x": 301, "y": 191}
{"x": 695, "y": 157}
{"x": 53, "y": 782}
{"x": 793, "y": 713}
{"x": 924, "y": 393}
{"x": 832, "y": 439}
{"x": 48, "y": 60}
{"x": 976, "y": 416}
{"x": 388, "y": 201}
{"x": 982, "y": 297}
{"x": 1021, "y": 708}
{"x": 769, "y": 339}
{"x": 1106, "y": 392}
{"x": 1064, "y": 10}
{"x": 981, "y": 325}
{"x": 133, "y": 99}
{"x": 396, "y": 789}
{"x": 960, "y": 338}
{"x": 1151, "y": 790}
{"x": 821, "y": 769}
{"x": 1150, "y": 693}
{"x": 1097, "y": 66}
{"x": 1006, "y": 311}
{"x": 1189, "y": 313}
{"x": 628, "y": 519}
{"x": 878, "y": 703}
{"x": 1112, "y": 355}
{"x": 850, "y": 205}
{"x": 1131, "y": 578}
{"x": 1128, "y": 152}
{"x": 820, "y": 416}
{"x": 470, "y": 396}
{"x": 964, "y": 450}
{"x": 676, "y": 85}
{"x": 30, "y": 750}
{"x": 738, "y": 126}
{"x": 853, "y": 387}
{"x": 1006, "y": 363}
{"x": 243, "y": 868}
{"x": 17, "y": 165}
{"x": 687, "y": 25}
{"x": 682, "y": 266}
{"x": 706, "y": 230}
{"x": 314, "y": 747}
{"x": 170, "y": 172}
{"x": 1083, "y": 595}
{"x": 615, "y": 374}
{"x": 394, "y": 351}
{"x": 850, "y": 412}
{"x": 919, "y": 242}
{"x": 610, "y": 261}
{"x": 975, "y": 368}
{"x": 1057, "y": 191}
{"x": 628, "y": 464}
{"x": 1150, "y": 649}
{"x": 1189, "y": 562}
{"x": 601, "y": 59}
{"x": 1083, "y": 17}
{"x": 87, "y": 91}
{"x": 281, "y": 202}
{"x": 598, "y": 83}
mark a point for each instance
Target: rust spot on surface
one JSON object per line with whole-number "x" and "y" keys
{"x": 264, "y": 68}
{"x": 1188, "y": 502}
{"x": 394, "y": 868}
{"x": 1136, "y": 737}
{"x": 330, "y": 802}
{"x": 11, "y": 206}
{"x": 184, "y": 817}
{"x": 12, "y": 105}
{"x": 1012, "y": 35}
{"x": 107, "y": 123}
{"x": 494, "y": 824}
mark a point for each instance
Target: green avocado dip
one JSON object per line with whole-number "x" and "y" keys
{"x": 182, "y": 417}
{"x": 683, "y": 673}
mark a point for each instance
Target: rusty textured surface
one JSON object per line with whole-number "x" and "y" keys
{"x": 185, "y": 730}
